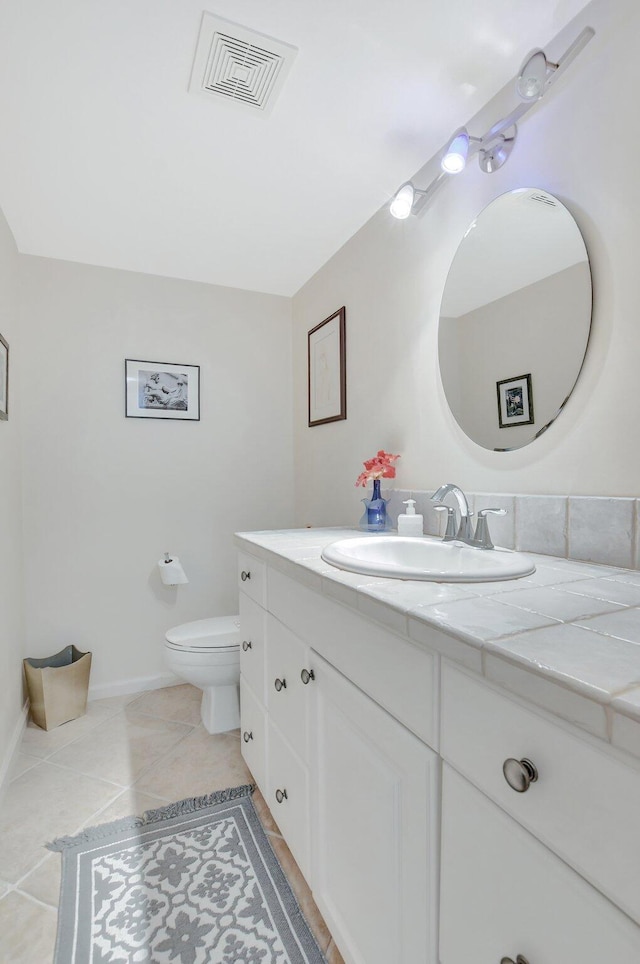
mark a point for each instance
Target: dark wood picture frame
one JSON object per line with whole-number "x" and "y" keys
{"x": 4, "y": 379}
{"x": 164, "y": 390}
{"x": 515, "y": 401}
{"x": 327, "y": 370}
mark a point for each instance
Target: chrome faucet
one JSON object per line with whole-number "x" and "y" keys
{"x": 463, "y": 533}
{"x": 480, "y": 539}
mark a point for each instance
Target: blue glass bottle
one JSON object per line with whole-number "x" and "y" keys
{"x": 375, "y": 513}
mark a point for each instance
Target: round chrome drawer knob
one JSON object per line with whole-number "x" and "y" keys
{"x": 245, "y": 575}
{"x": 280, "y": 684}
{"x": 519, "y": 774}
{"x": 281, "y": 795}
{"x": 246, "y": 736}
{"x": 306, "y": 675}
{"x": 246, "y": 645}
{"x": 519, "y": 960}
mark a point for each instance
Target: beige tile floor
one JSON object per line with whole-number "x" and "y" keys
{"x": 126, "y": 755}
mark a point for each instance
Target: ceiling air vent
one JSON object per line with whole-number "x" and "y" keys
{"x": 239, "y": 65}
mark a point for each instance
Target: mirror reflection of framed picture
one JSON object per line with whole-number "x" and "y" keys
{"x": 327, "y": 373}
{"x": 4, "y": 379}
{"x": 515, "y": 401}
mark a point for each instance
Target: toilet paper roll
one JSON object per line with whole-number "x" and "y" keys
{"x": 171, "y": 572}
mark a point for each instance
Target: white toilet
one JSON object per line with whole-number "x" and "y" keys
{"x": 206, "y": 653}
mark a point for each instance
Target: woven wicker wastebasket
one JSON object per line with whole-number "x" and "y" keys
{"x": 58, "y": 686}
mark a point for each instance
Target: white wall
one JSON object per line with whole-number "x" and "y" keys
{"x": 11, "y": 621}
{"x": 105, "y": 495}
{"x": 392, "y": 273}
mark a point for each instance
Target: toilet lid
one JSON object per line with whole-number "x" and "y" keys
{"x": 219, "y": 632}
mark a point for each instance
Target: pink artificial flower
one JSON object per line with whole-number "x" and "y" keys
{"x": 379, "y": 467}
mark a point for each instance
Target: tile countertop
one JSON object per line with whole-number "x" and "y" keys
{"x": 566, "y": 638}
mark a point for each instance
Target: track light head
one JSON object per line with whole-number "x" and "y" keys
{"x": 532, "y": 77}
{"x": 454, "y": 159}
{"x": 402, "y": 203}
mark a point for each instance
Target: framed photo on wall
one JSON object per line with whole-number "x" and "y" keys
{"x": 4, "y": 379}
{"x": 515, "y": 401}
{"x": 161, "y": 390}
{"x": 327, "y": 371}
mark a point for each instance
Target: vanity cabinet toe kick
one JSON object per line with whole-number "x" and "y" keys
{"x": 437, "y": 819}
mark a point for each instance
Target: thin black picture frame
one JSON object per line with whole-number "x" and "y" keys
{"x": 506, "y": 385}
{"x": 167, "y": 385}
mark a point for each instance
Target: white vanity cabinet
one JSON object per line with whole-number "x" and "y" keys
{"x": 382, "y": 762}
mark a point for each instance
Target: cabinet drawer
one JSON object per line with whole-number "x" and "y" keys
{"x": 504, "y": 894}
{"x": 252, "y": 644}
{"x": 252, "y": 577}
{"x": 253, "y": 733}
{"x": 584, "y": 804}
{"x": 287, "y": 697}
{"x": 288, "y": 796}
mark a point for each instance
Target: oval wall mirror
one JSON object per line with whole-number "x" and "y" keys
{"x": 515, "y": 319}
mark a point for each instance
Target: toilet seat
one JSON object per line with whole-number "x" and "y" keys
{"x": 206, "y": 653}
{"x": 220, "y": 634}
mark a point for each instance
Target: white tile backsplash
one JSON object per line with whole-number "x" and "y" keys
{"x": 597, "y": 529}
{"x": 541, "y": 524}
{"x": 602, "y": 530}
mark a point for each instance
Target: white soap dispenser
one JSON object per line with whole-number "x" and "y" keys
{"x": 410, "y": 523}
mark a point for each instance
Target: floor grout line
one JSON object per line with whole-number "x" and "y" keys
{"x": 36, "y": 900}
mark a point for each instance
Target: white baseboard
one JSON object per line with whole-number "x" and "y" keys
{"x": 14, "y": 746}
{"x": 139, "y": 684}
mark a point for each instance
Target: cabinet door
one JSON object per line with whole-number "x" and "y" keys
{"x": 252, "y": 645}
{"x": 374, "y": 786}
{"x": 253, "y": 733}
{"x": 287, "y": 796}
{"x": 287, "y": 695}
{"x": 504, "y": 894}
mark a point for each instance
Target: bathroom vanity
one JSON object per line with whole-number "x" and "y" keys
{"x": 447, "y": 798}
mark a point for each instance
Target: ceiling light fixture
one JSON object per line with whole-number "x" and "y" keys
{"x": 533, "y": 75}
{"x": 454, "y": 159}
{"x": 403, "y": 201}
{"x": 494, "y": 148}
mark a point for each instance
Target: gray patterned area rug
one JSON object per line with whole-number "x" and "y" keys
{"x": 193, "y": 883}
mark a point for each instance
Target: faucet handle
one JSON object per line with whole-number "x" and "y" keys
{"x": 450, "y": 532}
{"x": 482, "y": 538}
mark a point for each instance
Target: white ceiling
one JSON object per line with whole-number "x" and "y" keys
{"x": 108, "y": 159}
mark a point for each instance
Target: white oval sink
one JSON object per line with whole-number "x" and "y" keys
{"x": 404, "y": 557}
